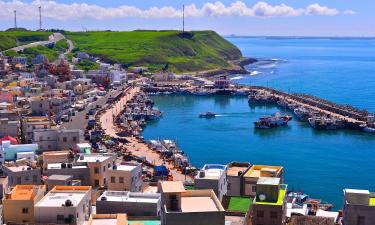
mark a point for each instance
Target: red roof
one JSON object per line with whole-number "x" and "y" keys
{"x": 12, "y": 140}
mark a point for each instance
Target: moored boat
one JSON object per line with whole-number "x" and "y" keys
{"x": 272, "y": 121}
{"x": 207, "y": 115}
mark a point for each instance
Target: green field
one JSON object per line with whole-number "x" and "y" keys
{"x": 193, "y": 51}
{"x": 10, "y": 39}
{"x": 241, "y": 204}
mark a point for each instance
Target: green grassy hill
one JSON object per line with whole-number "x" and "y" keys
{"x": 10, "y": 39}
{"x": 193, "y": 51}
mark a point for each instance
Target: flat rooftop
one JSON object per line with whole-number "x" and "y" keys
{"x": 57, "y": 199}
{"x": 234, "y": 170}
{"x": 94, "y": 158}
{"x": 256, "y": 170}
{"x": 24, "y": 192}
{"x": 58, "y": 166}
{"x": 172, "y": 187}
{"x": 59, "y": 177}
{"x": 19, "y": 168}
{"x": 198, "y": 204}
{"x": 280, "y": 199}
{"x": 126, "y": 196}
{"x": 125, "y": 167}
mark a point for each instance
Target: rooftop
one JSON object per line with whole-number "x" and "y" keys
{"x": 263, "y": 171}
{"x": 128, "y": 167}
{"x": 59, "y": 194}
{"x": 198, "y": 204}
{"x": 24, "y": 192}
{"x": 94, "y": 158}
{"x": 212, "y": 171}
{"x": 108, "y": 219}
{"x": 37, "y": 119}
{"x": 58, "y": 166}
{"x": 19, "y": 168}
{"x": 280, "y": 199}
{"x": 126, "y": 196}
{"x": 234, "y": 170}
{"x": 172, "y": 187}
{"x": 59, "y": 177}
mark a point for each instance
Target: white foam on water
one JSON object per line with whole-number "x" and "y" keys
{"x": 236, "y": 78}
{"x": 254, "y": 73}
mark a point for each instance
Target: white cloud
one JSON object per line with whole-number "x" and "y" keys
{"x": 61, "y": 11}
{"x": 316, "y": 9}
{"x": 350, "y": 12}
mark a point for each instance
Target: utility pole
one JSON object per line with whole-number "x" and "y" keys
{"x": 15, "y": 18}
{"x": 183, "y": 18}
{"x": 40, "y": 17}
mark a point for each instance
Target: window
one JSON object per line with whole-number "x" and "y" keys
{"x": 64, "y": 139}
{"x": 96, "y": 170}
{"x": 25, "y": 210}
{"x": 74, "y": 139}
{"x": 109, "y": 165}
{"x": 103, "y": 168}
{"x": 361, "y": 220}
{"x": 228, "y": 186}
{"x": 273, "y": 214}
{"x": 96, "y": 182}
{"x": 18, "y": 180}
{"x": 60, "y": 217}
{"x": 254, "y": 188}
{"x": 121, "y": 180}
{"x": 35, "y": 178}
{"x": 26, "y": 178}
{"x": 260, "y": 214}
{"x": 45, "y": 126}
{"x": 113, "y": 180}
{"x": 41, "y": 138}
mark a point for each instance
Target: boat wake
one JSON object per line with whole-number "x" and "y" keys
{"x": 254, "y": 73}
{"x": 237, "y": 78}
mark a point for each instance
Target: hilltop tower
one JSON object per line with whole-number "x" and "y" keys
{"x": 40, "y": 17}
{"x": 183, "y": 18}
{"x": 15, "y": 18}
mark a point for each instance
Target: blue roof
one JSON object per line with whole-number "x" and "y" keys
{"x": 11, "y": 151}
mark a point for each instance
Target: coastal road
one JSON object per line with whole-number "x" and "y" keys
{"x": 55, "y": 37}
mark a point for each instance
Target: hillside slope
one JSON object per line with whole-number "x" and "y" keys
{"x": 193, "y": 51}
{"x": 10, "y": 39}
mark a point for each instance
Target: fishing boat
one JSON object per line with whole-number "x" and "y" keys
{"x": 324, "y": 123}
{"x": 276, "y": 120}
{"x": 207, "y": 115}
{"x": 302, "y": 113}
{"x": 368, "y": 129}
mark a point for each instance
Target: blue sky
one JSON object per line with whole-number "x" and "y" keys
{"x": 241, "y": 17}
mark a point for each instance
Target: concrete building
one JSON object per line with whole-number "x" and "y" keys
{"x": 57, "y": 139}
{"x": 39, "y": 59}
{"x": 64, "y": 205}
{"x": 9, "y": 152}
{"x": 22, "y": 175}
{"x": 55, "y": 157}
{"x": 126, "y": 177}
{"x": 29, "y": 124}
{"x": 78, "y": 171}
{"x": 213, "y": 176}
{"x": 235, "y": 173}
{"x": 196, "y": 207}
{"x": 131, "y": 203}
{"x": 18, "y": 205}
{"x": 108, "y": 219}
{"x": 41, "y": 106}
{"x": 252, "y": 175}
{"x": 9, "y": 127}
{"x": 269, "y": 205}
{"x": 359, "y": 207}
{"x": 99, "y": 164}
{"x": 61, "y": 180}
{"x": 4, "y": 187}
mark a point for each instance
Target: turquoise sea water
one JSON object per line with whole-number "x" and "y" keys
{"x": 320, "y": 163}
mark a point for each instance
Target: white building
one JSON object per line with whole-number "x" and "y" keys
{"x": 64, "y": 205}
{"x": 57, "y": 139}
{"x": 131, "y": 203}
{"x": 126, "y": 177}
{"x": 213, "y": 176}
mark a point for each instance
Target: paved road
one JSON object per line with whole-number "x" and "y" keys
{"x": 79, "y": 121}
{"x": 55, "y": 37}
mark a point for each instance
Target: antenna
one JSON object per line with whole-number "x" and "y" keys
{"x": 15, "y": 18}
{"x": 40, "y": 17}
{"x": 183, "y": 18}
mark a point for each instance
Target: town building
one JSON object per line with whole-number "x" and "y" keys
{"x": 235, "y": 173}
{"x": 4, "y": 186}
{"x": 9, "y": 152}
{"x": 61, "y": 180}
{"x": 18, "y": 205}
{"x": 99, "y": 164}
{"x": 359, "y": 207}
{"x": 131, "y": 203}
{"x": 310, "y": 220}
{"x": 51, "y": 106}
{"x": 213, "y": 176}
{"x": 29, "y": 124}
{"x": 39, "y": 59}
{"x": 187, "y": 207}
{"x": 22, "y": 174}
{"x": 269, "y": 205}
{"x": 9, "y": 127}
{"x": 78, "y": 171}
{"x": 126, "y": 177}
{"x": 64, "y": 205}
{"x": 57, "y": 139}
{"x": 56, "y": 157}
{"x": 252, "y": 175}
{"x": 108, "y": 219}
{"x": 222, "y": 82}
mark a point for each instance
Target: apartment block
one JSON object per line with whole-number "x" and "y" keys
{"x": 213, "y": 176}
{"x": 359, "y": 207}
{"x": 61, "y": 180}
{"x": 18, "y": 205}
{"x": 195, "y": 207}
{"x": 29, "y": 124}
{"x": 9, "y": 127}
{"x": 98, "y": 164}
{"x": 22, "y": 174}
{"x": 131, "y": 203}
{"x": 108, "y": 219}
{"x": 79, "y": 171}
{"x": 126, "y": 177}
{"x": 235, "y": 173}
{"x": 250, "y": 178}
{"x": 269, "y": 205}
{"x": 55, "y": 157}
{"x": 64, "y": 205}
{"x": 57, "y": 139}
